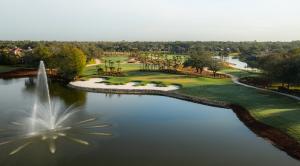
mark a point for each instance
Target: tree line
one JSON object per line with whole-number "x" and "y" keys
{"x": 177, "y": 47}
{"x": 201, "y": 59}
{"x": 281, "y": 68}
{"x": 278, "y": 60}
{"x": 64, "y": 60}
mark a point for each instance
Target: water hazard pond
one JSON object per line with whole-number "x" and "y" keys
{"x": 147, "y": 130}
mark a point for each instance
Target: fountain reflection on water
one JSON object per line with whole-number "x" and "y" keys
{"x": 49, "y": 122}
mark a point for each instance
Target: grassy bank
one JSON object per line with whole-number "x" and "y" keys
{"x": 275, "y": 110}
{"x": 4, "y": 69}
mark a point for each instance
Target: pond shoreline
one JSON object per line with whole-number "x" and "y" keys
{"x": 19, "y": 73}
{"x": 276, "y": 137}
{"x": 28, "y": 72}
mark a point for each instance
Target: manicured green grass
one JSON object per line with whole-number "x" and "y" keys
{"x": 122, "y": 59}
{"x": 91, "y": 71}
{"x": 6, "y": 68}
{"x": 278, "y": 111}
{"x": 275, "y": 110}
{"x": 240, "y": 73}
{"x": 130, "y": 67}
{"x": 149, "y": 77}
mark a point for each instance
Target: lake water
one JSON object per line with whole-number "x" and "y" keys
{"x": 236, "y": 63}
{"x": 147, "y": 131}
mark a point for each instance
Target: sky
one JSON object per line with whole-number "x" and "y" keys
{"x": 150, "y": 20}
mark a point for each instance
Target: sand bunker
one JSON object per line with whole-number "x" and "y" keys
{"x": 97, "y": 83}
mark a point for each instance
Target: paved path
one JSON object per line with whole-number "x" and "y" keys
{"x": 236, "y": 81}
{"x": 97, "y": 63}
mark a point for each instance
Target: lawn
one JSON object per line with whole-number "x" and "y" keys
{"x": 91, "y": 71}
{"x": 240, "y": 73}
{"x": 6, "y": 68}
{"x": 122, "y": 59}
{"x": 275, "y": 110}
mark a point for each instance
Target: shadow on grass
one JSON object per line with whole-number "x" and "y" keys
{"x": 275, "y": 110}
{"x": 253, "y": 100}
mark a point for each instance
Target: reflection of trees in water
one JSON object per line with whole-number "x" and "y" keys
{"x": 8, "y": 81}
{"x": 67, "y": 95}
{"x": 110, "y": 95}
{"x": 29, "y": 85}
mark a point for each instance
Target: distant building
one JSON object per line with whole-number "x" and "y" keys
{"x": 29, "y": 49}
{"x": 17, "y": 51}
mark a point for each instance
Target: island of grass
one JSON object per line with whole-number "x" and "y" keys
{"x": 274, "y": 110}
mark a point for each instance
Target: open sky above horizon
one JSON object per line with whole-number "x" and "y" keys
{"x": 150, "y": 20}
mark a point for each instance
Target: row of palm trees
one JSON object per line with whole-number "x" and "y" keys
{"x": 110, "y": 68}
{"x": 160, "y": 62}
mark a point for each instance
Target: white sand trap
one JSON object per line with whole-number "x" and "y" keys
{"x": 96, "y": 83}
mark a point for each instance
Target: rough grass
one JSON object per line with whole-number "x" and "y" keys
{"x": 275, "y": 110}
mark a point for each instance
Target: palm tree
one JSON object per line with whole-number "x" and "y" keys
{"x": 111, "y": 66}
{"x": 99, "y": 70}
{"x": 105, "y": 65}
{"x": 119, "y": 66}
{"x": 177, "y": 61}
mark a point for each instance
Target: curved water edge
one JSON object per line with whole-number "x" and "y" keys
{"x": 159, "y": 127}
{"x": 276, "y": 137}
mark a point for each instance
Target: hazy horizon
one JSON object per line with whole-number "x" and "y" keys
{"x": 156, "y": 20}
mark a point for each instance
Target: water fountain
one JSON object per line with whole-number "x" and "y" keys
{"x": 45, "y": 117}
{"x": 49, "y": 122}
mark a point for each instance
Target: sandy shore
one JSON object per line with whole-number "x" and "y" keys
{"x": 96, "y": 83}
